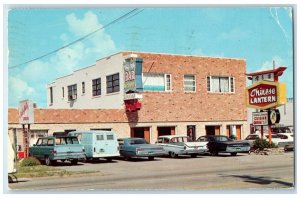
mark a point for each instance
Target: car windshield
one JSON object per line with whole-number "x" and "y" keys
{"x": 66, "y": 140}
{"x": 138, "y": 141}
{"x": 273, "y": 136}
{"x": 222, "y": 139}
{"x": 180, "y": 139}
{"x": 252, "y": 137}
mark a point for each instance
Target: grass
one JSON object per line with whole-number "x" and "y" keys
{"x": 45, "y": 171}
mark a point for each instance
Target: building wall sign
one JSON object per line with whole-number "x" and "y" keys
{"x": 260, "y": 118}
{"x": 264, "y": 95}
{"x": 133, "y": 74}
{"x": 26, "y": 115}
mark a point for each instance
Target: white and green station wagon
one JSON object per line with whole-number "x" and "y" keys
{"x": 176, "y": 145}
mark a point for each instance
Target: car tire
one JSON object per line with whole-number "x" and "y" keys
{"x": 194, "y": 155}
{"x": 109, "y": 159}
{"x": 74, "y": 161}
{"x": 233, "y": 154}
{"x": 126, "y": 158}
{"x": 214, "y": 153}
{"x": 150, "y": 158}
{"x": 47, "y": 161}
{"x": 173, "y": 155}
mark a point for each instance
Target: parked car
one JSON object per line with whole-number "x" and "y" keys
{"x": 53, "y": 148}
{"x": 139, "y": 147}
{"x": 175, "y": 145}
{"x": 281, "y": 130}
{"x": 275, "y": 139}
{"x": 251, "y": 139}
{"x": 98, "y": 144}
{"x": 289, "y": 138}
{"x": 222, "y": 144}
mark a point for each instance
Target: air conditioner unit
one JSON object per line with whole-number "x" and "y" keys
{"x": 73, "y": 97}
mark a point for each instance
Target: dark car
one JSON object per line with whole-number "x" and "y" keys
{"x": 222, "y": 144}
{"x": 139, "y": 147}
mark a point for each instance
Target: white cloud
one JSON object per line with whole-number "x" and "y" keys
{"x": 31, "y": 80}
{"x": 81, "y": 27}
{"x": 268, "y": 65}
{"x": 234, "y": 34}
{"x": 19, "y": 89}
{"x": 100, "y": 42}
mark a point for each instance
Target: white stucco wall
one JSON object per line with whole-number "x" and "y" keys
{"x": 103, "y": 67}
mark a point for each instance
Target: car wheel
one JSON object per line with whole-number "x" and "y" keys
{"x": 151, "y": 158}
{"x": 109, "y": 159}
{"x": 126, "y": 158}
{"x": 47, "y": 161}
{"x": 74, "y": 161}
{"x": 214, "y": 153}
{"x": 173, "y": 155}
{"x": 193, "y": 155}
{"x": 233, "y": 154}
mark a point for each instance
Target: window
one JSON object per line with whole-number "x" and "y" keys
{"x": 72, "y": 92}
{"x": 189, "y": 83}
{"x": 100, "y": 137}
{"x": 63, "y": 92}
{"x": 83, "y": 87}
{"x": 51, "y": 95}
{"x": 112, "y": 83}
{"x": 220, "y": 84}
{"x": 110, "y": 137}
{"x": 50, "y": 142}
{"x": 168, "y": 82}
{"x": 96, "y": 87}
{"x": 156, "y": 82}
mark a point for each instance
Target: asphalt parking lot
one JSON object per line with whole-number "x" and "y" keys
{"x": 205, "y": 172}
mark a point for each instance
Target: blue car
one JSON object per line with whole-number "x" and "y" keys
{"x": 139, "y": 147}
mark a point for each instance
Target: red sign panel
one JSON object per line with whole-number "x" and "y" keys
{"x": 262, "y": 95}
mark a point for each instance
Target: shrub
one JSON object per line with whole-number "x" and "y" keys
{"x": 262, "y": 144}
{"x": 30, "y": 161}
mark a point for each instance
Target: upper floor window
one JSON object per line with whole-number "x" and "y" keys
{"x": 157, "y": 82}
{"x": 189, "y": 83}
{"x": 63, "y": 92}
{"x": 96, "y": 87}
{"x": 72, "y": 92}
{"x": 220, "y": 84}
{"x": 112, "y": 83}
{"x": 51, "y": 95}
{"x": 83, "y": 87}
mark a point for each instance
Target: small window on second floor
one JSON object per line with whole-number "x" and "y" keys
{"x": 83, "y": 87}
{"x": 72, "y": 92}
{"x": 112, "y": 83}
{"x": 97, "y": 87}
{"x": 189, "y": 83}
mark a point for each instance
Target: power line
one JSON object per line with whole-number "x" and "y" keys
{"x": 82, "y": 38}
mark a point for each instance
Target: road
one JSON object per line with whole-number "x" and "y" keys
{"x": 204, "y": 173}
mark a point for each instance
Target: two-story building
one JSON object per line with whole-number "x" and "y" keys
{"x": 149, "y": 94}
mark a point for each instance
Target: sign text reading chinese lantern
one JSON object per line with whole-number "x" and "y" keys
{"x": 263, "y": 95}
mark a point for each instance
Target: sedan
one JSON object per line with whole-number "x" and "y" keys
{"x": 222, "y": 144}
{"x": 139, "y": 147}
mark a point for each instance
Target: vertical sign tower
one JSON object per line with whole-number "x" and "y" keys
{"x": 265, "y": 94}
{"x": 26, "y": 116}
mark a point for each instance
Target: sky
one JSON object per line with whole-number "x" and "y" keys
{"x": 257, "y": 34}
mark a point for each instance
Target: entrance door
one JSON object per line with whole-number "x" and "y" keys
{"x": 141, "y": 132}
{"x": 191, "y": 132}
{"x": 165, "y": 131}
{"x": 212, "y": 130}
{"x": 238, "y": 131}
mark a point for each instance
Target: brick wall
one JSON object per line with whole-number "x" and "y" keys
{"x": 198, "y": 106}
